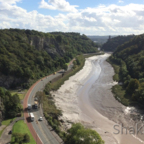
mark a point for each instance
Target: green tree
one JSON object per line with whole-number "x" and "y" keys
{"x": 78, "y": 61}
{"x": 133, "y": 85}
{"x": 2, "y": 93}
{"x": 26, "y": 138}
{"x": 77, "y": 134}
{"x": 65, "y": 67}
{"x": 18, "y": 138}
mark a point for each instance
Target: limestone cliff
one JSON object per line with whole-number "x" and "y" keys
{"x": 29, "y": 55}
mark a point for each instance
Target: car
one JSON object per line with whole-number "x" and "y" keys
{"x": 40, "y": 119}
{"x": 10, "y": 132}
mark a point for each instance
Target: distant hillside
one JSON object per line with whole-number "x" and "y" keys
{"x": 27, "y": 54}
{"x": 100, "y": 39}
{"x": 128, "y": 61}
{"x": 113, "y": 43}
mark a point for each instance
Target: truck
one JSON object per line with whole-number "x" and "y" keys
{"x": 36, "y": 104}
{"x": 32, "y": 116}
{"x": 29, "y": 107}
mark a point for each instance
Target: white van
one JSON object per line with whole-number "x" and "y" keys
{"x": 32, "y": 116}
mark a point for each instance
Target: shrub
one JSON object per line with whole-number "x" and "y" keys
{"x": 26, "y": 138}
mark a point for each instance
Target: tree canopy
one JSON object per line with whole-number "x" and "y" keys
{"x": 10, "y": 103}
{"x": 29, "y": 54}
{"x": 130, "y": 59}
{"x": 113, "y": 43}
{"x": 77, "y": 134}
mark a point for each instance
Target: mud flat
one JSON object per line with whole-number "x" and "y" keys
{"x": 86, "y": 97}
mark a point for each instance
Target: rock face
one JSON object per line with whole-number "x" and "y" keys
{"x": 48, "y": 44}
{"x": 39, "y": 43}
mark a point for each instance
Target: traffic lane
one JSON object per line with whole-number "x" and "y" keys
{"x": 26, "y": 116}
{"x": 44, "y": 137}
{"x": 35, "y": 125}
{"x": 49, "y": 78}
{"x": 39, "y": 86}
{"x": 47, "y": 135}
{"x": 44, "y": 129}
{"x": 38, "y": 131}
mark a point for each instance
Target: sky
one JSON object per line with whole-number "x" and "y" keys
{"x": 89, "y": 17}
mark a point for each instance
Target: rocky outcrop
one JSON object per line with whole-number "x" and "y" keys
{"x": 48, "y": 44}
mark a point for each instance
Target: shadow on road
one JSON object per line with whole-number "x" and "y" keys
{"x": 25, "y": 110}
{"x": 28, "y": 119}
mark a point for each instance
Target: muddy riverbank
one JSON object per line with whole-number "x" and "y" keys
{"x": 86, "y": 97}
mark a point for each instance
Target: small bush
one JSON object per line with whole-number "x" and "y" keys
{"x": 26, "y": 138}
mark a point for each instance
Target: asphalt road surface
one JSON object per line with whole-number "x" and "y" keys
{"x": 39, "y": 126}
{"x": 39, "y": 129}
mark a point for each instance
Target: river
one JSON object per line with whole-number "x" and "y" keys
{"x": 87, "y": 98}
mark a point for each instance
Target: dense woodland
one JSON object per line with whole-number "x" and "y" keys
{"x": 113, "y": 43}
{"x": 28, "y": 54}
{"x": 128, "y": 61}
{"x": 9, "y": 104}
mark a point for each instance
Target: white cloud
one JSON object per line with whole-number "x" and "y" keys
{"x": 61, "y": 5}
{"x": 10, "y": 1}
{"x": 120, "y": 1}
{"x": 100, "y": 20}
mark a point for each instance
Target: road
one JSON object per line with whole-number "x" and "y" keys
{"x": 40, "y": 131}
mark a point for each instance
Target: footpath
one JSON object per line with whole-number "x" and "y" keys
{"x": 6, "y": 137}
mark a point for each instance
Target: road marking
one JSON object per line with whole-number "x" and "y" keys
{"x": 42, "y": 131}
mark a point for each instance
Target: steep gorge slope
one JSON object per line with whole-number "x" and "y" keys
{"x": 26, "y": 55}
{"x": 128, "y": 61}
{"x": 113, "y": 43}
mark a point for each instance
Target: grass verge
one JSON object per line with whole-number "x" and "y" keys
{"x": 20, "y": 94}
{"x": 7, "y": 122}
{"x": 21, "y": 127}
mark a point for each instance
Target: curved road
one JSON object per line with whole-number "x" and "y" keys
{"x": 40, "y": 131}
